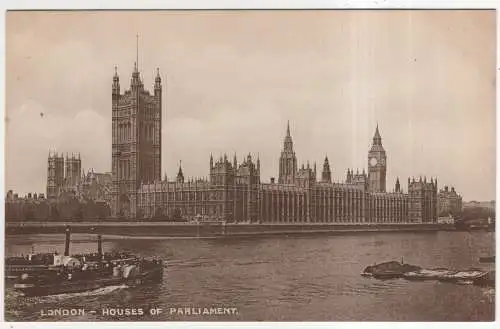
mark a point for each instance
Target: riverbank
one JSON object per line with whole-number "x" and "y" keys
{"x": 168, "y": 229}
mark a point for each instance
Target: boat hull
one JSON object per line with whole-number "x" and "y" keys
{"x": 388, "y": 270}
{"x": 424, "y": 274}
{"x": 487, "y": 280}
{"x": 488, "y": 259}
{"x": 64, "y": 287}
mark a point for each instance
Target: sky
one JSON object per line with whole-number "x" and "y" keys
{"x": 232, "y": 80}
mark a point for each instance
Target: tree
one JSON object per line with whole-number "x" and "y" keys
{"x": 28, "y": 212}
{"x": 79, "y": 211}
{"x": 54, "y": 213}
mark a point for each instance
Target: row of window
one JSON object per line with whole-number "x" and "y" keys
{"x": 123, "y": 132}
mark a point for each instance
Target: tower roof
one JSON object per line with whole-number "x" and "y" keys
{"x": 377, "y": 140}
{"x": 288, "y": 144}
{"x": 180, "y": 169}
{"x": 326, "y": 165}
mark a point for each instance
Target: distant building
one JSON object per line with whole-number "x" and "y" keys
{"x": 55, "y": 175}
{"x": 62, "y": 175}
{"x": 449, "y": 201}
{"x": 95, "y": 187}
{"x": 136, "y": 141}
{"x": 234, "y": 192}
{"x": 446, "y": 219}
{"x": 66, "y": 180}
{"x": 73, "y": 170}
{"x": 485, "y": 204}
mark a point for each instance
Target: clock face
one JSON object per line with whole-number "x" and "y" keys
{"x": 373, "y": 161}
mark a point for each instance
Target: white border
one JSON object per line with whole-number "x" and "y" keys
{"x": 227, "y": 4}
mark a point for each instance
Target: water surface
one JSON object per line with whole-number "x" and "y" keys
{"x": 314, "y": 278}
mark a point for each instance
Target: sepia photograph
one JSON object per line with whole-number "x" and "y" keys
{"x": 250, "y": 165}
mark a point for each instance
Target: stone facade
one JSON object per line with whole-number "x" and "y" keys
{"x": 449, "y": 201}
{"x": 234, "y": 192}
{"x": 136, "y": 141}
{"x": 55, "y": 175}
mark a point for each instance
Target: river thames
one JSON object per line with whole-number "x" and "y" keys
{"x": 313, "y": 278}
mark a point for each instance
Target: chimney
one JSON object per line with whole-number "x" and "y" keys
{"x": 99, "y": 245}
{"x": 66, "y": 245}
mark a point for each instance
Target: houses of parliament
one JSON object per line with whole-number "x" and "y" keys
{"x": 234, "y": 191}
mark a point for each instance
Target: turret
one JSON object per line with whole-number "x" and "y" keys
{"x": 326, "y": 175}
{"x": 377, "y": 165}
{"x": 157, "y": 83}
{"x": 211, "y": 161}
{"x": 180, "y": 175}
{"x": 377, "y": 140}
{"x": 349, "y": 176}
{"x": 116, "y": 86}
{"x": 287, "y": 161}
{"x": 397, "y": 187}
{"x": 135, "y": 81}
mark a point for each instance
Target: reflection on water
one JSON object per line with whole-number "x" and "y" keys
{"x": 312, "y": 278}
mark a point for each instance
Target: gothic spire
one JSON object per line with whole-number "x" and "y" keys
{"x": 377, "y": 140}
{"x": 136, "y": 64}
{"x": 158, "y": 79}
{"x": 180, "y": 175}
{"x": 326, "y": 175}
{"x": 288, "y": 145}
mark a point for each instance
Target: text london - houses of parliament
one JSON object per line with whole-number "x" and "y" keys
{"x": 234, "y": 191}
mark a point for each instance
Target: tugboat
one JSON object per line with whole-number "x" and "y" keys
{"x": 33, "y": 262}
{"x": 69, "y": 274}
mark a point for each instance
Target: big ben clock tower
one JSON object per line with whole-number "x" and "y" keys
{"x": 377, "y": 165}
